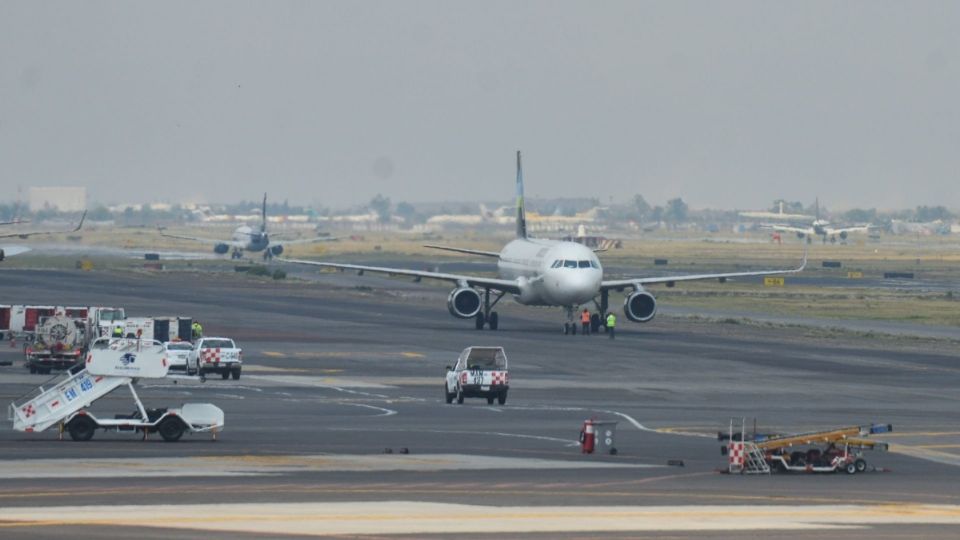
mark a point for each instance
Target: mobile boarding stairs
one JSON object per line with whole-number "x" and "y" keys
{"x": 110, "y": 364}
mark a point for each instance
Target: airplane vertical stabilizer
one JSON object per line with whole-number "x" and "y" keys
{"x": 521, "y": 213}
{"x": 263, "y": 215}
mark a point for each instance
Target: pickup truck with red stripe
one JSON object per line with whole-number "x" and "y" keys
{"x": 215, "y": 355}
{"x": 479, "y": 372}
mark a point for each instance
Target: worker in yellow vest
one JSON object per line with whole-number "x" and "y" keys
{"x": 611, "y": 324}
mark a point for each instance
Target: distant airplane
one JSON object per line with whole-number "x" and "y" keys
{"x": 821, "y": 228}
{"x": 543, "y": 273}
{"x": 27, "y": 234}
{"x": 245, "y": 238}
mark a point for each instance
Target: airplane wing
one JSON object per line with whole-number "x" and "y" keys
{"x": 623, "y": 283}
{"x": 212, "y": 241}
{"x": 305, "y": 240}
{"x": 505, "y": 285}
{"x": 464, "y": 250}
{"x": 38, "y": 233}
{"x": 785, "y": 228}
{"x": 858, "y": 228}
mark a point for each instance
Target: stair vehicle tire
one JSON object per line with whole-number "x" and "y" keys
{"x": 171, "y": 429}
{"x": 81, "y": 428}
{"x": 850, "y": 468}
{"x": 861, "y": 464}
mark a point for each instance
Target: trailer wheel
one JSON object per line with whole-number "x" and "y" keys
{"x": 861, "y": 464}
{"x": 850, "y": 468}
{"x": 81, "y": 428}
{"x": 171, "y": 429}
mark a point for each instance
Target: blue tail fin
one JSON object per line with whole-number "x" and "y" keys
{"x": 521, "y": 214}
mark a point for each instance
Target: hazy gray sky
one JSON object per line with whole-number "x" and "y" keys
{"x": 727, "y": 104}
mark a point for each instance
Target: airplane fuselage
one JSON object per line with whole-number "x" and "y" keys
{"x": 550, "y": 272}
{"x": 250, "y": 239}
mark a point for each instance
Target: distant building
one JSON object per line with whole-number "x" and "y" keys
{"x": 64, "y": 199}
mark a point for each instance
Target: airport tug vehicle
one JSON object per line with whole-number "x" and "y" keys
{"x": 110, "y": 364}
{"x": 827, "y": 451}
{"x": 479, "y": 372}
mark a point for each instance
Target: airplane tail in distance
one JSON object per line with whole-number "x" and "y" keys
{"x": 263, "y": 214}
{"x": 521, "y": 214}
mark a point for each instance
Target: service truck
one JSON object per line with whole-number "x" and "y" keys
{"x": 59, "y": 343}
{"x": 215, "y": 355}
{"x": 479, "y": 372}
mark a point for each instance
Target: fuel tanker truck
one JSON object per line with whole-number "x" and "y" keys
{"x": 58, "y": 343}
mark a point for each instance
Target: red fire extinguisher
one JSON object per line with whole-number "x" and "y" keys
{"x": 587, "y": 437}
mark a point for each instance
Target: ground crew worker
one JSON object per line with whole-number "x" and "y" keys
{"x": 585, "y": 321}
{"x": 611, "y": 324}
{"x": 196, "y": 330}
{"x": 118, "y": 331}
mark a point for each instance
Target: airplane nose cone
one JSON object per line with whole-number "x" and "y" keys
{"x": 576, "y": 287}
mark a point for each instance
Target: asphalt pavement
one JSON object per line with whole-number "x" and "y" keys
{"x": 338, "y": 425}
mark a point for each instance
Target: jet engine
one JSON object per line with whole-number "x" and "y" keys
{"x": 276, "y": 250}
{"x": 220, "y": 249}
{"x": 640, "y": 306}
{"x": 464, "y": 303}
{"x": 843, "y": 235}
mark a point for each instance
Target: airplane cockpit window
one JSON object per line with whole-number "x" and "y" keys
{"x": 595, "y": 264}
{"x": 569, "y": 264}
{"x": 557, "y": 263}
{"x": 584, "y": 264}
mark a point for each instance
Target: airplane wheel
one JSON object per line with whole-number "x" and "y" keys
{"x": 479, "y": 321}
{"x": 595, "y": 323}
{"x": 494, "y": 321}
{"x": 573, "y": 329}
{"x": 566, "y": 328}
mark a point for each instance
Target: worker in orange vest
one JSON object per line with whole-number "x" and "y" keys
{"x": 585, "y": 320}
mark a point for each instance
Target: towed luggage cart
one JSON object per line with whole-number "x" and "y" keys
{"x": 832, "y": 450}
{"x": 110, "y": 364}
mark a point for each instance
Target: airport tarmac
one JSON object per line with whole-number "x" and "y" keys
{"x": 338, "y": 371}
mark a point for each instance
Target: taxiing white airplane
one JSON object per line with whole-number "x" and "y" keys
{"x": 820, "y": 227}
{"x": 543, "y": 273}
{"x": 247, "y": 238}
{"x": 5, "y": 252}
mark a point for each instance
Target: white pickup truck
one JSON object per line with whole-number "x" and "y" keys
{"x": 215, "y": 355}
{"x": 479, "y": 372}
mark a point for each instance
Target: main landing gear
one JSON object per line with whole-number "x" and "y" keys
{"x": 236, "y": 254}
{"x": 486, "y": 315}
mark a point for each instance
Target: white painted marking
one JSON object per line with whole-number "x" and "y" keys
{"x": 386, "y": 412}
{"x": 421, "y": 518}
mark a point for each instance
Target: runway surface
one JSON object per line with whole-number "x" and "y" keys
{"x": 339, "y": 371}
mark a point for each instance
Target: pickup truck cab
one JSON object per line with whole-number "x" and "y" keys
{"x": 479, "y": 372}
{"x": 215, "y": 355}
